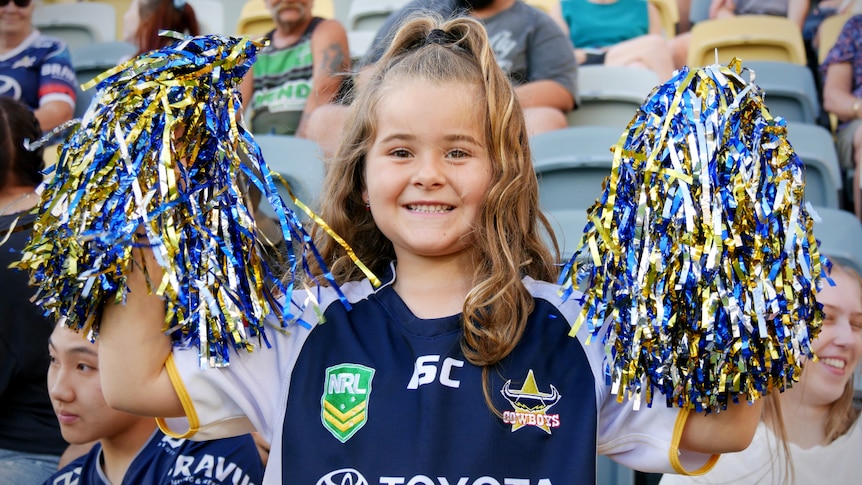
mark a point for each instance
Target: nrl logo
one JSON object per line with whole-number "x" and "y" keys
{"x": 530, "y": 405}
{"x": 344, "y": 403}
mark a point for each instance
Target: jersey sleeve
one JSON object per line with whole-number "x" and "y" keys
{"x": 639, "y": 437}
{"x": 551, "y": 56}
{"x": 57, "y": 78}
{"x": 249, "y": 394}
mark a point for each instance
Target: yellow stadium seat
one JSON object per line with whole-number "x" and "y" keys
{"x": 669, "y": 13}
{"x": 255, "y": 20}
{"x": 748, "y": 37}
{"x": 543, "y": 5}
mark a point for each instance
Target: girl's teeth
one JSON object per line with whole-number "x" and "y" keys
{"x": 837, "y": 363}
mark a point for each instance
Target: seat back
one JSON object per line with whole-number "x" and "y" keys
{"x": 210, "y": 15}
{"x": 790, "y": 91}
{"x": 748, "y": 37}
{"x": 572, "y": 164}
{"x": 610, "y": 95}
{"x": 77, "y": 24}
{"x": 839, "y": 234}
{"x": 668, "y": 11}
{"x": 120, "y": 9}
{"x": 299, "y": 161}
{"x": 91, "y": 60}
{"x": 816, "y": 148}
{"x": 255, "y": 20}
{"x": 370, "y": 14}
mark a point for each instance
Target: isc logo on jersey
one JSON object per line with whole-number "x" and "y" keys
{"x": 344, "y": 403}
{"x": 350, "y": 476}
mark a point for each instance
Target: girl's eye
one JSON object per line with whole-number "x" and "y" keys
{"x": 84, "y": 367}
{"x": 52, "y": 359}
{"x": 856, "y": 323}
{"x": 400, "y": 153}
{"x": 458, "y": 153}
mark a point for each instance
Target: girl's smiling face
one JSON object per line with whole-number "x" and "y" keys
{"x": 839, "y": 346}
{"x": 428, "y": 171}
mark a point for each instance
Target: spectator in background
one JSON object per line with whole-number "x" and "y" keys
{"x": 145, "y": 18}
{"x": 809, "y": 433}
{"x": 616, "y": 33}
{"x": 303, "y": 67}
{"x": 795, "y": 10}
{"x": 842, "y": 96}
{"x": 131, "y": 450}
{"x": 35, "y": 69}
{"x": 30, "y": 441}
{"x": 532, "y": 51}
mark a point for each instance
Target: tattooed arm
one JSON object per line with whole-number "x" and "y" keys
{"x": 331, "y": 60}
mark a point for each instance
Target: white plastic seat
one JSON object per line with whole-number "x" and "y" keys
{"x": 370, "y": 14}
{"x": 790, "y": 89}
{"x": 816, "y": 148}
{"x": 571, "y": 164}
{"x": 77, "y": 24}
{"x": 210, "y": 15}
{"x": 611, "y": 95}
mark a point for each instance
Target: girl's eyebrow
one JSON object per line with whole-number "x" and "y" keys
{"x": 461, "y": 137}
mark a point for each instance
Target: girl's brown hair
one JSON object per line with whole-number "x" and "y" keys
{"x": 507, "y": 238}
{"x": 157, "y": 15}
{"x": 18, "y": 166}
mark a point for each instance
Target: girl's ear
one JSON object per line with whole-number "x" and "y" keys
{"x": 365, "y": 195}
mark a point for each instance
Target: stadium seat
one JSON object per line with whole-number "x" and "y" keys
{"x": 299, "y": 161}
{"x": 816, "y": 148}
{"x": 120, "y": 9}
{"x": 669, "y": 13}
{"x": 568, "y": 226}
{"x": 77, "y": 24}
{"x": 790, "y": 91}
{"x": 210, "y": 15}
{"x": 93, "y": 59}
{"x": 839, "y": 234}
{"x": 748, "y": 37}
{"x": 610, "y": 95}
{"x": 370, "y": 14}
{"x": 571, "y": 164}
{"x": 543, "y": 5}
{"x": 255, "y": 19}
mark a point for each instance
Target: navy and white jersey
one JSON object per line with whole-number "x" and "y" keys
{"x": 170, "y": 461}
{"x": 376, "y": 395}
{"x": 38, "y": 71}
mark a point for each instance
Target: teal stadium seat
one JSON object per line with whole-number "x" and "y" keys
{"x": 611, "y": 95}
{"x": 790, "y": 91}
{"x": 816, "y": 148}
{"x": 77, "y": 24}
{"x": 571, "y": 164}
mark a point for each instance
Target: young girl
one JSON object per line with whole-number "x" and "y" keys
{"x": 814, "y": 424}
{"x": 458, "y": 368}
